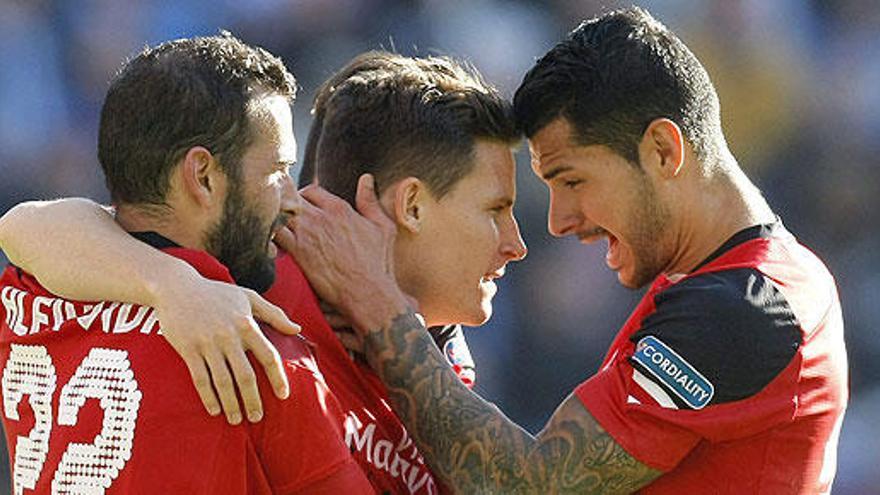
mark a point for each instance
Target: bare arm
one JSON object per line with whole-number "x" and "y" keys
{"x": 76, "y": 250}
{"x": 468, "y": 442}
{"x": 474, "y": 447}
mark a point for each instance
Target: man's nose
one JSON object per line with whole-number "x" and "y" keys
{"x": 563, "y": 219}
{"x": 513, "y": 246}
{"x": 291, "y": 201}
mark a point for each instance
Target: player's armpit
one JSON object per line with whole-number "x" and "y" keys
{"x": 574, "y": 454}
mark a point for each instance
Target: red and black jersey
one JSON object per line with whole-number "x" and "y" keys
{"x": 733, "y": 378}
{"x": 373, "y": 433}
{"x": 96, "y": 401}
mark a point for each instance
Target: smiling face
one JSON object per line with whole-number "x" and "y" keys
{"x": 463, "y": 241}
{"x": 257, "y": 202}
{"x": 594, "y": 194}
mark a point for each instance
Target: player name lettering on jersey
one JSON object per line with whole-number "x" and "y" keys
{"x": 674, "y": 371}
{"x": 400, "y": 459}
{"x": 27, "y": 313}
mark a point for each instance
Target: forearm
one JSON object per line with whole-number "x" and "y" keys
{"x": 474, "y": 447}
{"x": 76, "y": 250}
{"x": 467, "y": 441}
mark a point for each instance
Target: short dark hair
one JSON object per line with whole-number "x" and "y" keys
{"x": 395, "y": 117}
{"x": 612, "y": 76}
{"x": 179, "y": 94}
{"x": 365, "y": 62}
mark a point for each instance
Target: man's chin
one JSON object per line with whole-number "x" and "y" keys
{"x": 635, "y": 279}
{"x": 465, "y": 315}
{"x": 480, "y": 316}
{"x": 626, "y": 282}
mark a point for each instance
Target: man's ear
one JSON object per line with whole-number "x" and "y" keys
{"x": 202, "y": 179}
{"x": 662, "y": 148}
{"x": 404, "y": 202}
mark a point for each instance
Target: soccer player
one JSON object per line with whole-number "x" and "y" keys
{"x": 449, "y": 338}
{"x": 398, "y": 111}
{"x": 730, "y": 376}
{"x": 196, "y": 139}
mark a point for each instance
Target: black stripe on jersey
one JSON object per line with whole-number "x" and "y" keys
{"x": 735, "y": 327}
{"x": 155, "y": 240}
{"x": 443, "y": 334}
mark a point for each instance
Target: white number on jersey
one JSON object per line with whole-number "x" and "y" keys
{"x": 106, "y": 375}
{"x": 29, "y": 371}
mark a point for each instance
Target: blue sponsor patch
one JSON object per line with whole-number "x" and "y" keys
{"x": 674, "y": 372}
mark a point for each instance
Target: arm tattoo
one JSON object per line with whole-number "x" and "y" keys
{"x": 474, "y": 448}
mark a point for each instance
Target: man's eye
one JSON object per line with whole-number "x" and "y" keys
{"x": 571, "y": 183}
{"x": 499, "y": 209}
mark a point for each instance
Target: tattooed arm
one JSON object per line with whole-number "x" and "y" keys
{"x": 474, "y": 447}
{"x": 467, "y": 441}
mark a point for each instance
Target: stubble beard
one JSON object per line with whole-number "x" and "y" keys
{"x": 240, "y": 241}
{"x": 651, "y": 218}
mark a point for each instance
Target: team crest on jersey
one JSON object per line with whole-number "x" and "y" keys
{"x": 457, "y": 352}
{"x": 674, "y": 371}
{"x": 459, "y": 356}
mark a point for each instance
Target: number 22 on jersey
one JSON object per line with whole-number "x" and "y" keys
{"x": 105, "y": 375}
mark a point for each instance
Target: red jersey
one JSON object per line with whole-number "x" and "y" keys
{"x": 372, "y": 431}
{"x": 732, "y": 379}
{"x": 95, "y": 400}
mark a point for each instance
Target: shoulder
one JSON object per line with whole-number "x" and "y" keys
{"x": 311, "y": 420}
{"x": 297, "y": 353}
{"x": 743, "y": 302}
{"x": 207, "y": 265}
{"x": 734, "y": 327}
{"x": 291, "y": 290}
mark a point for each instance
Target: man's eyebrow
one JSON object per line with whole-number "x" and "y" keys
{"x": 553, "y": 172}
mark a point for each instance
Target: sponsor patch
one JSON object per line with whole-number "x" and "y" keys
{"x": 673, "y": 371}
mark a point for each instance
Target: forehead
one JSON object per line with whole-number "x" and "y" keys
{"x": 550, "y": 143}
{"x": 493, "y": 174}
{"x": 273, "y": 129}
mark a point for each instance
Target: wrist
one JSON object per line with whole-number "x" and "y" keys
{"x": 162, "y": 282}
{"x": 386, "y": 341}
{"x": 378, "y": 309}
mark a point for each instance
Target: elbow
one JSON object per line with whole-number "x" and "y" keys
{"x": 12, "y": 224}
{"x": 11, "y": 220}
{"x": 25, "y": 226}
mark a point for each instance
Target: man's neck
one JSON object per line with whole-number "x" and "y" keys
{"x": 723, "y": 205}
{"x": 162, "y": 220}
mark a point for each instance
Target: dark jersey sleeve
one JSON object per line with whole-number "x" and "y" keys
{"x": 712, "y": 360}
{"x": 716, "y": 338}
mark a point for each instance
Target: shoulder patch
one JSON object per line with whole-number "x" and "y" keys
{"x": 672, "y": 370}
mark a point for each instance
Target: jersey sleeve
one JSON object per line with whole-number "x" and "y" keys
{"x": 716, "y": 360}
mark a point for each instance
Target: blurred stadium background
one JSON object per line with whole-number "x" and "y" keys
{"x": 799, "y": 82}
